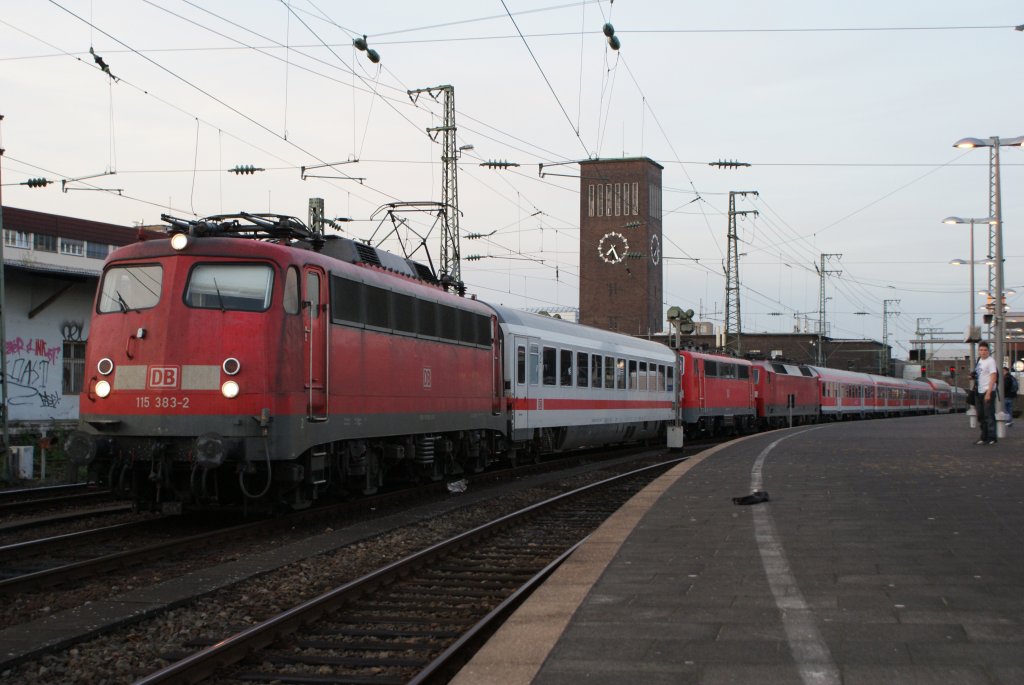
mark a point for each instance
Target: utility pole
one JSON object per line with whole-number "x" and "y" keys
{"x": 5, "y": 450}
{"x": 822, "y": 272}
{"x": 884, "y": 370}
{"x": 451, "y": 261}
{"x": 919, "y": 332}
{"x": 733, "y": 321}
{"x": 993, "y": 248}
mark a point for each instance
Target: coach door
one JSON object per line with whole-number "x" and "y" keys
{"x": 317, "y": 328}
{"x": 701, "y": 379}
{"x": 525, "y": 385}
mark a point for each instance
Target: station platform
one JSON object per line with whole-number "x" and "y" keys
{"x": 891, "y": 551}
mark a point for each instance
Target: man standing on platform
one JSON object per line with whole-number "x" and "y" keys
{"x": 986, "y": 400}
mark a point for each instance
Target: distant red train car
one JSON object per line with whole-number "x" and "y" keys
{"x": 942, "y": 395}
{"x": 785, "y": 394}
{"x": 717, "y": 393}
{"x": 845, "y": 394}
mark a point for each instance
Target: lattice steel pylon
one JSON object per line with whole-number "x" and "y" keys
{"x": 822, "y": 272}
{"x": 733, "y": 321}
{"x": 450, "y": 262}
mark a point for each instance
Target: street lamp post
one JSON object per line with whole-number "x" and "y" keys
{"x": 971, "y": 262}
{"x": 999, "y": 315}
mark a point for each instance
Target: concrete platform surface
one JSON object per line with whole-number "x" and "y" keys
{"x": 892, "y": 551}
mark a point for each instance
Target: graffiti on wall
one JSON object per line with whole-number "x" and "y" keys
{"x": 28, "y": 372}
{"x": 34, "y": 376}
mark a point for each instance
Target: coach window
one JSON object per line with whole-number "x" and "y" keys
{"x": 565, "y": 366}
{"x": 641, "y": 376}
{"x": 130, "y": 287}
{"x": 632, "y": 374}
{"x": 609, "y": 373}
{"x": 620, "y": 374}
{"x": 661, "y": 376}
{"x": 595, "y": 370}
{"x": 550, "y": 361}
{"x": 671, "y": 378}
{"x": 238, "y": 287}
{"x": 582, "y": 370}
{"x": 291, "y": 291}
{"x": 534, "y": 365}
{"x": 521, "y": 364}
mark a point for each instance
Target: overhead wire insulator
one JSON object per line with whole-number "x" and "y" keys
{"x": 728, "y": 164}
{"x": 362, "y": 45}
{"x": 609, "y": 33}
{"x": 37, "y": 183}
{"x": 494, "y": 164}
{"x": 473, "y": 258}
{"x": 245, "y": 169}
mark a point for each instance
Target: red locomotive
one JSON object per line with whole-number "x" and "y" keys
{"x": 228, "y": 372}
{"x": 717, "y": 393}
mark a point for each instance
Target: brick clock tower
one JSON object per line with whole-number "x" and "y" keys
{"x": 621, "y": 245}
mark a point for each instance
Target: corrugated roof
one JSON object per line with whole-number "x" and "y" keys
{"x": 30, "y": 221}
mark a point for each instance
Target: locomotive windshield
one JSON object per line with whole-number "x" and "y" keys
{"x": 241, "y": 287}
{"x": 127, "y": 288}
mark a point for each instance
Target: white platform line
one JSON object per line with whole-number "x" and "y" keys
{"x": 812, "y": 655}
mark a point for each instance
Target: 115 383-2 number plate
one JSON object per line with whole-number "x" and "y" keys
{"x": 162, "y": 402}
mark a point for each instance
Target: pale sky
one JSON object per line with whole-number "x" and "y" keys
{"x": 847, "y": 113}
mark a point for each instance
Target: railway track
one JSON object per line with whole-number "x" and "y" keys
{"x": 27, "y": 500}
{"x": 418, "y": 619}
{"x": 53, "y": 561}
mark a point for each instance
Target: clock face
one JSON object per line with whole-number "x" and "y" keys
{"x": 655, "y": 250}
{"x": 612, "y": 247}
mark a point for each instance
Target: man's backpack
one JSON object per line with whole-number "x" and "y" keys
{"x": 1010, "y": 386}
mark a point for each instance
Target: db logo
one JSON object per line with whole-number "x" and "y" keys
{"x": 163, "y": 376}
{"x": 427, "y": 377}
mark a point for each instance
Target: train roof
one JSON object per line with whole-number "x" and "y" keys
{"x": 828, "y": 374}
{"x": 788, "y": 368}
{"x": 715, "y": 357}
{"x": 570, "y": 333}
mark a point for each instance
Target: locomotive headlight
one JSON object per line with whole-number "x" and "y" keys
{"x": 102, "y": 389}
{"x": 229, "y": 389}
{"x": 105, "y": 366}
{"x": 231, "y": 366}
{"x": 179, "y": 241}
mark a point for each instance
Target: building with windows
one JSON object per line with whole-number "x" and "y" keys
{"x": 52, "y": 266}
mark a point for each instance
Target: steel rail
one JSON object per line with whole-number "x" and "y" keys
{"x": 233, "y": 649}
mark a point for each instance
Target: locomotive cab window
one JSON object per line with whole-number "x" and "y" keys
{"x": 238, "y": 287}
{"x": 127, "y": 288}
